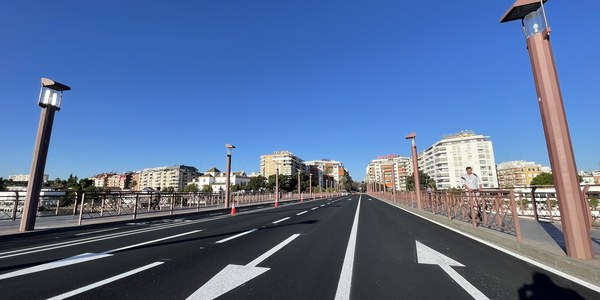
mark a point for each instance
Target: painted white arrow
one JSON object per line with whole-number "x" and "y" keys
{"x": 233, "y": 276}
{"x": 428, "y": 256}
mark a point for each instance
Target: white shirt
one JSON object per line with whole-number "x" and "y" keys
{"x": 472, "y": 181}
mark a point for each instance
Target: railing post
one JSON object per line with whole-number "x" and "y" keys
{"x": 513, "y": 207}
{"x": 137, "y": 195}
{"x": 472, "y": 210}
{"x": 15, "y": 206}
{"x": 102, "y": 205}
{"x": 172, "y": 203}
{"x": 76, "y": 203}
{"x": 81, "y": 207}
{"x": 535, "y": 212}
{"x": 586, "y": 204}
{"x": 57, "y": 206}
{"x": 119, "y": 203}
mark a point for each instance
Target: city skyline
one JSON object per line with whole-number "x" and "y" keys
{"x": 171, "y": 83}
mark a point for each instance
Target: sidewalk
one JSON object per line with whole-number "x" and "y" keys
{"x": 542, "y": 242}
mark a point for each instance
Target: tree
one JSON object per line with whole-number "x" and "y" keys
{"x": 543, "y": 179}
{"x": 191, "y": 188}
{"x": 257, "y": 183}
{"x": 169, "y": 190}
{"x": 207, "y": 188}
{"x": 424, "y": 180}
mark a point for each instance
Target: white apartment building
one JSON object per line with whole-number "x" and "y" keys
{"x": 446, "y": 160}
{"x": 288, "y": 163}
{"x": 331, "y": 168}
{"x": 176, "y": 177}
{"x": 218, "y": 180}
{"x": 24, "y": 177}
{"x": 392, "y": 170}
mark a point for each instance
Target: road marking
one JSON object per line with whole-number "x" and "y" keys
{"x": 301, "y": 213}
{"x": 322, "y": 205}
{"x": 84, "y": 241}
{"x": 233, "y": 276}
{"x": 152, "y": 241}
{"x": 506, "y": 251}
{"x": 345, "y": 283}
{"x": 286, "y": 218}
{"x": 105, "y": 281}
{"x": 97, "y": 231}
{"x": 314, "y": 208}
{"x": 236, "y": 236}
{"x": 426, "y": 255}
{"x": 56, "y": 264}
{"x": 82, "y": 258}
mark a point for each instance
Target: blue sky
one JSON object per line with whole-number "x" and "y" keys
{"x": 170, "y": 82}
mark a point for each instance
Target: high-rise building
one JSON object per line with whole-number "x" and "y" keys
{"x": 446, "y": 160}
{"x": 176, "y": 177}
{"x": 288, "y": 163}
{"x": 517, "y": 173}
{"x": 391, "y": 170}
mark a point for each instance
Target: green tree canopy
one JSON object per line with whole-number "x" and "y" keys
{"x": 257, "y": 183}
{"x": 543, "y": 179}
{"x": 424, "y": 180}
{"x": 207, "y": 188}
{"x": 190, "y": 188}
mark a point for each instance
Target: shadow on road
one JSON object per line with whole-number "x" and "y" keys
{"x": 544, "y": 288}
{"x": 555, "y": 234}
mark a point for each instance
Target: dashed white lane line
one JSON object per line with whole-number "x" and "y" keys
{"x": 236, "y": 236}
{"x": 301, "y": 213}
{"x": 314, "y": 208}
{"x": 286, "y": 218}
{"x": 345, "y": 283}
{"x": 322, "y": 205}
{"x": 105, "y": 281}
{"x": 97, "y": 231}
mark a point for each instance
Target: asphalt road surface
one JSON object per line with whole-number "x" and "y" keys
{"x": 348, "y": 247}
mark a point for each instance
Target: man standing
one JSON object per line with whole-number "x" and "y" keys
{"x": 470, "y": 182}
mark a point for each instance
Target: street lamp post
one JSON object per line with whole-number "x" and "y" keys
{"x": 413, "y": 137}
{"x": 558, "y": 141}
{"x": 277, "y": 184}
{"x": 228, "y": 179}
{"x": 299, "y": 191}
{"x": 50, "y": 100}
{"x": 310, "y": 185}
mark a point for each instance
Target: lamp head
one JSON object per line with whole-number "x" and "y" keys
{"x": 229, "y": 146}
{"x": 51, "y": 93}
{"x": 411, "y": 136}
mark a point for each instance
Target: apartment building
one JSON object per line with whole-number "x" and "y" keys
{"x": 446, "y": 160}
{"x": 517, "y": 173}
{"x": 24, "y": 178}
{"x": 288, "y": 163}
{"x": 177, "y": 177}
{"x": 329, "y": 169}
{"x": 391, "y": 170}
{"x": 218, "y": 180}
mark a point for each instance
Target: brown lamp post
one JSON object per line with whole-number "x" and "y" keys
{"x": 412, "y": 137}
{"x": 572, "y": 208}
{"x": 50, "y": 100}
{"x": 228, "y": 179}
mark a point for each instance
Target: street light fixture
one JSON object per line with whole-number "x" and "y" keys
{"x": 228, "y": 179}
{"x": 50, "y": 100}
{"x": 574, "y": 214}
{"x": 413, "y": 137}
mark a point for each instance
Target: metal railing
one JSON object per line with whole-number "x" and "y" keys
{"x": 92, "y": 205}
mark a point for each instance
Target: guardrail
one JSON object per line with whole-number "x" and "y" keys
{"x": 92, "y": 205}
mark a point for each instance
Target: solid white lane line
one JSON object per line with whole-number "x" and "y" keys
{"x": 301, "y": 213}
{"x": 345, "y": 283}
{"x": 150, "y": 242}
{"x": 286, "y": 218}
{"x": 266, "y": 255}
{"x": 82, "y": 258}
{"x": 105, "y": 281}
{"x": 56, "y": 264}
{"x": 236, "y": 236}
{"x": 509, "y": 252}
{"x": 97, "y": 231}
{"x": 83, "y": 241}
